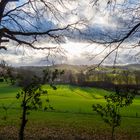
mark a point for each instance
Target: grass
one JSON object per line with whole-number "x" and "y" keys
{"x": 73, "y": 110}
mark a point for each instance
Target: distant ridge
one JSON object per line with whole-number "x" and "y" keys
{"x": 78, "y": 68}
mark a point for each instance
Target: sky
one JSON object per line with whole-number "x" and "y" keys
{"x": 75, "y": 50}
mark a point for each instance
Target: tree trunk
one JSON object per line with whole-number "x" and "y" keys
{"x": 23, "y": 124}
{"x": 112, "y": 133}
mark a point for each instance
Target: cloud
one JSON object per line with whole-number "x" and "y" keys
{"x": 101, "y": 26}
{"x": 76, "y": 53}
{"x": 100, "y": 22}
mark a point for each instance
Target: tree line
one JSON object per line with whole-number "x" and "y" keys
{"x": 96, "y": 78}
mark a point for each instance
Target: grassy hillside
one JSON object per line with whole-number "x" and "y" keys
{"x": 68, "y": 98}
{"x": 73, "y": 111}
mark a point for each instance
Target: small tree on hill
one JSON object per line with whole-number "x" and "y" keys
{"x": 110, "y": 112}
{"x": 30, "y": 96}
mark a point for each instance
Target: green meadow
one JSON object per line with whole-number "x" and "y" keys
{"x": 72, "y": 111}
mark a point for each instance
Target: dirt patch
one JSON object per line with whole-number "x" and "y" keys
{"x": 11, "y": 133}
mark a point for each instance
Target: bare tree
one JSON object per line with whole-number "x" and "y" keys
{"x": 29, "y": 21}
{"x": 137, "y": 77}
{"x": 125, "y": 35}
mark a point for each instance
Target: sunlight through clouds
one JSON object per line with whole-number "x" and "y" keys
{"x": 78, "y": 48}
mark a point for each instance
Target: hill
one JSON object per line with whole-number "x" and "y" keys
{"x": 78, "y": 68}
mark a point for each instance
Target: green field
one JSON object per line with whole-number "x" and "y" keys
{"x": 72, "y": 112}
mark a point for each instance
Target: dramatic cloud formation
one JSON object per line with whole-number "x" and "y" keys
{"x": 98, "y": 24}
{"x": 78, "y": 53}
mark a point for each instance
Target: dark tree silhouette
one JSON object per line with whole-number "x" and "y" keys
{"x": 126, "y": 33}
{"x": 30, "y": 96}
{"x": 28, "y": 21}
